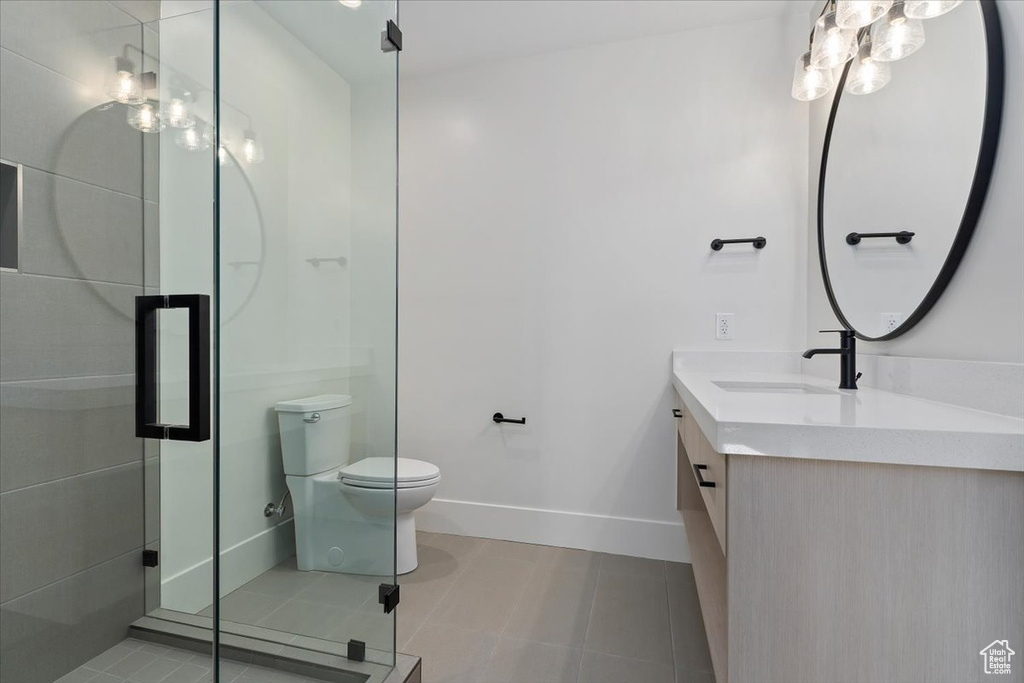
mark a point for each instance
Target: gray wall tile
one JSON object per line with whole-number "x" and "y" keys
{"x": 55, "y": 124}
{"x": 52, "y": 328}
{"x": 141, "y": 10}
{"x": 152, "y": 581}
{"x": 152, "y": 502}
{"x": 53, "y": 530}
{"x": 76, "y": 38}
{"x": 151, "y": 247}
{"x": 63, "y": 427}
{"x": 49, "y": 632}
{"x": 73, "y": 229}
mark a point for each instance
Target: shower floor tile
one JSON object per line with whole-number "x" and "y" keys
{"x": 135, "y": 661}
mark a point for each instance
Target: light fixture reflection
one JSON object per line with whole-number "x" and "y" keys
{"x": 351, "y": 3}
{"x": 896, "y": 36}
{"x": 196, "y": 138}
{"x": 252, "y": 150}
{"x": 224, "y": 152}
{"x": 123, "y": 85}
{"x": 145, "y": 118}
{"x": 177, "y": 111}
{"x": 810, "y": 82}
{"x": 866, "y": 74}
{"x": 832, "y": 45}
{"x": 857, "y": 13}
{"x": 929, "y": 9}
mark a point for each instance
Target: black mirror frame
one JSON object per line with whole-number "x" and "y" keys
{"x": 994, "y": 95}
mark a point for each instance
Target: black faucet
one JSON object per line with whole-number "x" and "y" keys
{"x": 847, "y": 351}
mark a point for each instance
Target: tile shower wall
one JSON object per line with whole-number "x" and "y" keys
{"x": 72, "y": 518}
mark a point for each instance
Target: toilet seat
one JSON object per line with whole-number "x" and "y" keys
{"x": 378, "y": 473}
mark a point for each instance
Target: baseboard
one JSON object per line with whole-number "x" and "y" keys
{"x": 190, "y": 590}
{"x": 619, "y": 535}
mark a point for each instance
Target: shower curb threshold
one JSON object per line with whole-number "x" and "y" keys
{"x": 301, "y": 655}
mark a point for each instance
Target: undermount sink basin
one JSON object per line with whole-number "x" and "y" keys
{"x": 772, "y": 388}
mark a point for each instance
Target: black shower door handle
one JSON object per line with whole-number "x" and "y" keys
{"x": 146, "y": 400}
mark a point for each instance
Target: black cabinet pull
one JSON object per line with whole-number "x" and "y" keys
{"x": 697, "y": 469}
{"x": 676, "y": 413}
{"x": 499, "y": 418}
{"x": 146, "y": 400}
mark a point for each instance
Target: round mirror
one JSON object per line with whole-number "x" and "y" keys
{"x": 904, "y": 172}
{"x": 101, "y": 133}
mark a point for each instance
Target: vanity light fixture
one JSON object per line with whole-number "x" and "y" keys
{"x": 810, "y": 82}
{"x": 145, "y": 118}
{"x": 867, "y": 75}
{"x": 896, "y": 36}
{"x": 857, "y": 13}
{"x": 928, "y": 9}
{"x": 123, "y": 85}
{"x": 831, "y": 44}
{"x": 252, "y": 150}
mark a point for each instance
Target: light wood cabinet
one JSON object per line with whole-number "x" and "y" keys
{"x": 822, "y": 570}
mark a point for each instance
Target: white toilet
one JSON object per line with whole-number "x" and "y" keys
{"x": 343, "y": 510}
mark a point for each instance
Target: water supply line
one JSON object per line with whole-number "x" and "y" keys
{"x": 278, "y": 508}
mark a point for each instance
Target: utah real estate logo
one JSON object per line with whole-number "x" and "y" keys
{"x": 996, "y": 657}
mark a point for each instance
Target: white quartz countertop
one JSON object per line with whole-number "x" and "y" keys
{"x": 866, "y": 425}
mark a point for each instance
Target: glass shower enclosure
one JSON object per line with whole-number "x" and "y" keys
{"x": 199, "y": 208}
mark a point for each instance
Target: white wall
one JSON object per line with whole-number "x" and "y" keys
{"x": 556, "y": 213}
{"x": 980, "y": 317}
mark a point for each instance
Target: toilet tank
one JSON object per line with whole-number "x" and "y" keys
{"x": 314, "y": 433}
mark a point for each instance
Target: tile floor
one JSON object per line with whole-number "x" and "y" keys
{"x": 484, "y": 611}
{"x": 479, "y": 611}
{"x": 135, "y": 661}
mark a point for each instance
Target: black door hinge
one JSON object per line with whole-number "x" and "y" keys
{"x": 357, "y": 650}
{"x": 150, "y": 558}
{"x": 388, "y": 596}
{"x": 391, "y": 38}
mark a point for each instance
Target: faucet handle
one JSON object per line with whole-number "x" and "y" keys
{"x": 844, "y": 332}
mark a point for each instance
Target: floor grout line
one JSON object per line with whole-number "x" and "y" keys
{"x": 444, "y": 596}
{"x": 590, "y": 616}
{"x": 671, "y": 636}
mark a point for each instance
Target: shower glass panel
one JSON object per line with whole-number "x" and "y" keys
{"x": 307, "y": 308}
{"x": 199, "y": 219}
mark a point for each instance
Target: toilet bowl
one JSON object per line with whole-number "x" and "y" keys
{"x": 370, "y": 485}
{"x": 343, "y": 510}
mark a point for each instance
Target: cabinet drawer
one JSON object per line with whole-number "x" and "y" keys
{"x": 679, "y": 409}
{"x": 714, "y": 471}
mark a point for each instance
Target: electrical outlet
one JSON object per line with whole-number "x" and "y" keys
{"x": 890, "y": 321}
{"x": 724, "y": 324}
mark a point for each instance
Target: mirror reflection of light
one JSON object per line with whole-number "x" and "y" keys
{"x": 144, "y": 118}
{"x": 928, "y": 9}
{"x": 809, "y": 81}
{"x": 867, "y": 75}
{"x": 857, "y": 13}
{"x": 351, "y": 3}
{"x": 896, "y": 36}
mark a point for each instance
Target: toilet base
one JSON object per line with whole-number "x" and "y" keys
{"x": 406, "y": 558}
{"x": 351, "y": 531}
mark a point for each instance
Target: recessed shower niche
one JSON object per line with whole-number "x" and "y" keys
{"x": 10, "y": 214}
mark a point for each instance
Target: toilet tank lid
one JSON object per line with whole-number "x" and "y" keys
{"x": 321, "y": 402}
{"x": 383, "y": 469}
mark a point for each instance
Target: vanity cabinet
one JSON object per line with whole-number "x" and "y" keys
{"x": 824, "y": 570}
